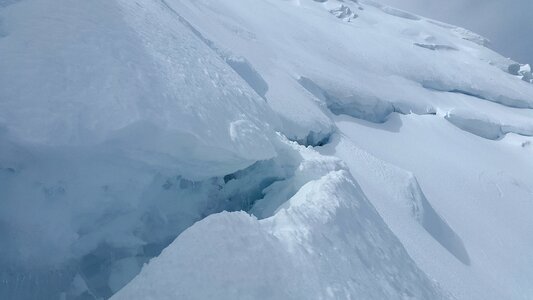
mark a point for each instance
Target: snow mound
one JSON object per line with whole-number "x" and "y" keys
{"x": 478, "y": 187}
{"x": 326, "y": 231}
{"x": 400, "y": 192}
{"x": 117, "y": 110}
{"x": 486, "y": 127}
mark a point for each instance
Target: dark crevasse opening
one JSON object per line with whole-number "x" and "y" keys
{"x": 82, "y": 226}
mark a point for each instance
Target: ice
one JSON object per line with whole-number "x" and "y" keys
{"x": 259, "y": 149}
{"x": 399, "y": 13}
{"x": 470, "y": 36}
{"x": 93, "y": 71}
{"x": 435, "y": 46}
{"x": 483, "y": 126}
{"x": 523, "y": 71}
{"x": 100, "y": 216}
{"x": 465, "y": 178}
{"x": 364, "y": 107}
{"x": 326, "y": 231}
{"x": 344, "y": 13}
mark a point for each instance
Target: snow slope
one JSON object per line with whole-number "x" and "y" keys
{"x": 115, "y": 68}
{"x": 326, "y": 241}
{"x": 156, "y": 141}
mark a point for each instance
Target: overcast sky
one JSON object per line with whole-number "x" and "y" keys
{"x": 507, "y": 23}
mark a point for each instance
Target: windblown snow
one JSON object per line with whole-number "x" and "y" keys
{"x": 267, "y": 149}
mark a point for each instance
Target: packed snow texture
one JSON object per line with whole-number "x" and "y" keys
{"x": 274, "y": 149}
{"x": 328, "y": 232}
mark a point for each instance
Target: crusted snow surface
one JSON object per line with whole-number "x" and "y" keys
{"x": 480, "y": 188}
{"x": 165, "y": 140}
{"x": 308, "y": 42}
{"x": 130, "y": 75}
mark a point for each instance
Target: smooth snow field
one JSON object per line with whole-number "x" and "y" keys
{"x": 259, "y": 149}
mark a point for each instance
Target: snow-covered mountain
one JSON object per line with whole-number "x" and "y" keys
{"x": 266, "y": 149}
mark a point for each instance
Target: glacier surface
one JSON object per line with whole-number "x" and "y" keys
{"x": 268, "y": 149}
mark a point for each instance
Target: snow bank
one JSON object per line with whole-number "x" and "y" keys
{"x": 131, "y": 76}
{"x": 327, "y": 232}
{"x": 483, "y": 126}
{"x": 480, "y": 188}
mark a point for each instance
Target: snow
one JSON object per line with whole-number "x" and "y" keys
{"x": 145, "y": 83}
{"x": 271, "y": 149}
{"x": 325, "y": 231}
{"x": 485, "y": 197}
